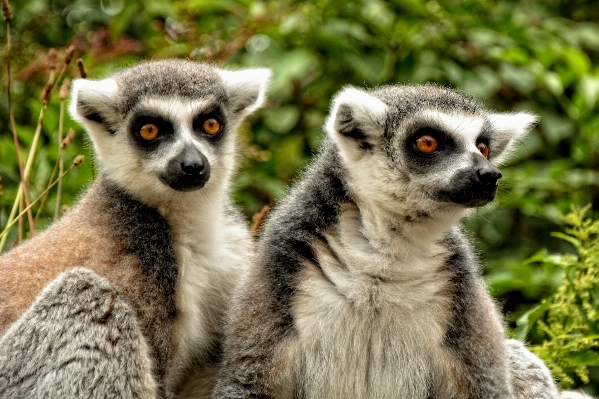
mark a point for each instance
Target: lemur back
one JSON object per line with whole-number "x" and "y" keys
{"x": 158, "y": 223}
{"x": 364, "y": 286}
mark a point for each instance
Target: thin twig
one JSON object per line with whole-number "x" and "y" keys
{"x": 67, "y": 60}
{"x": 20, "y": 229}
{"x": 31, "y": 156}
{"x": 78, "y": 161}
{"x": 258, "y": 220}
{"x": 43, "y": 204}
{"x": 65, "y": 143}
{"x": 64, "y": 92}
{"x": 6, "y": 11}
{"x": 8, "y": 18}
{"x": 81, "y": 67}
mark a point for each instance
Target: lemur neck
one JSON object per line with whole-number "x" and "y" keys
{"x": 407, "y": 227}
{"x": 191, "y": 215}
{"x": 195, "y": 215}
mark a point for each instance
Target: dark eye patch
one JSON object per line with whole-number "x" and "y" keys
{"x": 165, "y": 130}
{"x": 485, "y": 138}
{"x": 422, "y": 163}
{"x": 214, "y": 112}
{"x": 444, "y": 141}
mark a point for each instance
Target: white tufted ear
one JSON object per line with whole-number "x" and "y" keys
{"x": 246, "y": 88}
{"x": 356, "y": 120}
{"x": 95, "y": 102}
{"x": 509, "y": 128}
{"x": 516, "y": 125}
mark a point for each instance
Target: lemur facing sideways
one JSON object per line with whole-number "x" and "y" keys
{"x": 156, "y": 232}
{"x": 364, "y": 286}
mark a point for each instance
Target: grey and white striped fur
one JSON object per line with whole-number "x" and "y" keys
{"x": 364, "y": 285}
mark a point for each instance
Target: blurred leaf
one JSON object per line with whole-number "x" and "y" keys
{"x": 526, "y": 321}
{"x": 586, "y": 358}
{"x": 282, "y": 120}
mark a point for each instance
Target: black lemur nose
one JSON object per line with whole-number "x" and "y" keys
{"x": 193, "y": 162}
{"x": 488, "y": 176}
{"x": 194, "y": 168}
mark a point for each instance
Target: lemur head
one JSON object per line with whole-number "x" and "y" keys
{"x": 162, "y": 128}
{"x": 422, "y": 147}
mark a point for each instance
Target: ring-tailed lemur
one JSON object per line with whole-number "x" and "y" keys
{"x": 158, "y": 223}
{"x": 364, "y": 286}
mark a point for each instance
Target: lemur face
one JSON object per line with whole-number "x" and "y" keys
{"x": 179, "y": 146}
{"x": 448, "y": 157}
{"x": 422, "y": 145}
{"x": 167, "y": 127}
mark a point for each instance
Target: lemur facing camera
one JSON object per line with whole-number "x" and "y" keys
{"x": 364, "y": 286}
{"x": 157, "y": 225}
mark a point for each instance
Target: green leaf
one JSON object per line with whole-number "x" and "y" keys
{"x": 568, "y": 238}
{"x": 526, "y": 321}
{"x": 588, "y": 358}
{"x": 281, "y": 120}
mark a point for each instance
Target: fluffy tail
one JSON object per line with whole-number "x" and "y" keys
{"x": 530, "y": 377}
{"x": 78, "y": 340}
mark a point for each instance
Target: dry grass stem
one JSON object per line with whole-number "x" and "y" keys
{"x": 23, "y": 187}
{"x": 258, "y": 221}
{"x": 68, "y": 57}
{"x": 81, "y": 67}
{"x": 64, "y": 89}
{"x": 52, "y": 58}
{"x": 68, "y": 139}
{"x": 6, "y": 11}
{"x": 20, "y": 230}
{"x": 46, "y": 93}
{"x": 27, "y": 173}
{"x": 78, "y": 161}
{"x": 64, "y": 92}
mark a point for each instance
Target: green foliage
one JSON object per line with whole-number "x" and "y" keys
{"x": 567, "y": 323}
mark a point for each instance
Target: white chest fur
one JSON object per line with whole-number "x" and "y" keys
{"x": 212, "y": 250}
{"x": 370, "y": 324}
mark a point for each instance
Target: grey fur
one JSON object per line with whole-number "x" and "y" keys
{"x": 530, "y": 377}
{"x": 363, "y": 285}
{"x": 78, "y": 340}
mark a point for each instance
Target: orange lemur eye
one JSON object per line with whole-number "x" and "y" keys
{"x": 211, "y": 126}
{"x": 482, "y": 147}
{"x": 426, "y": 144}
{"x": 149, "y": 131}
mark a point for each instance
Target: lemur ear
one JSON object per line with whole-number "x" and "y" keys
{"x": 509, "y": 128}
{"x": 246, "y": 88}
{"x": 94, "y": 103}
{"x": 356, "y": 119}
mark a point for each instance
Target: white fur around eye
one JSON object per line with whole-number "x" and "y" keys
{"x": 467, "y": 127}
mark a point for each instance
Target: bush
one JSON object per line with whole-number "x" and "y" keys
{"x": 566, "y": 323}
